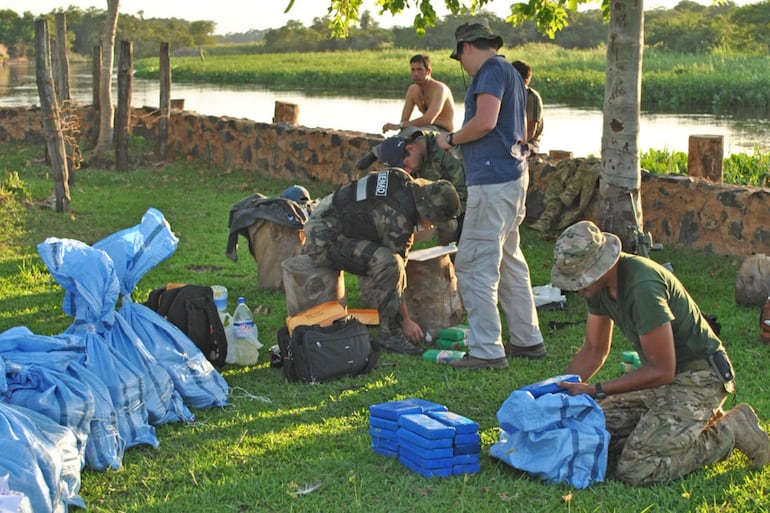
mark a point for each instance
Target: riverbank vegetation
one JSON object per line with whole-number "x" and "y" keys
{"x": 287, "y": 447}
{"x": 672, "y": 83}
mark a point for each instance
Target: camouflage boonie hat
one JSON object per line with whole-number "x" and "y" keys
{"x": 582, "y": 255}
{"x": 436, "y": 201}
{"x": 469, "y": 32}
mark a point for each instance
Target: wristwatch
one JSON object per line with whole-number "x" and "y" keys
{"x": 450, "y": 139}
{"x": 598, "y": 393}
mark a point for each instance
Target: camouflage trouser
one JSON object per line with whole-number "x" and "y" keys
{"x": 664, "y": 433}
{"x": 386, "y": 269}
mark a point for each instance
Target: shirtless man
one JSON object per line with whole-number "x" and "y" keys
{"x": 431, "y": 97}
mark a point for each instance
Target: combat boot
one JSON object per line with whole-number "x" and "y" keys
{"x": 749, "y": 436}
{"x": 392, "y": 339}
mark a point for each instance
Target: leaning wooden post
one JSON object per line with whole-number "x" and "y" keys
{"x": 165, "y": 100}
{"x": 96, "y": 71}
{"x": 49, "y": 110}
{"x": 123, "y": 114}
{"x": 704, "y": 157}
{"x": 62, "y": 80}
{"x": 63, "y": 66}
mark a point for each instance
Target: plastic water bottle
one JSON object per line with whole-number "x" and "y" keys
{"x": 243, "y": 321}
{"x": 244, "y": 348}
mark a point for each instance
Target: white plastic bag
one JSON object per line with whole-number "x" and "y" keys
{"x": 242, "y": 346}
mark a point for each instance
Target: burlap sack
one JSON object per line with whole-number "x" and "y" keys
{"x": 752, "y": 283}
{"x": 271, "y": 244}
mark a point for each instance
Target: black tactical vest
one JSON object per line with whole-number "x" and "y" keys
{"x": 355, "y": 201}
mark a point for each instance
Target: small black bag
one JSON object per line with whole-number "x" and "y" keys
{"x": 318, "y": 354}
{"x": 191, "y": 308}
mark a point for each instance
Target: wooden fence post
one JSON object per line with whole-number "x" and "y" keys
{"x": 704, "y": 157}
{"x": 286, "y": 113}
{"x": 123, "y": 115}
{"x": 165, "y": 100}
{"x": 49, "y": 110}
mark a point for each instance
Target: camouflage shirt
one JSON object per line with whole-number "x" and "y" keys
{"x": 441, "y": 165}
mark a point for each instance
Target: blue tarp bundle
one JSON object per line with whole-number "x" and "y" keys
{"x": 557, "y": 437}
{"x": 134, "y": 251}
{"x": 103, "y": 384}
{"x": 88, "y": 277}
{"x": 46, "y": 374}
{"x": 40, "y": 458}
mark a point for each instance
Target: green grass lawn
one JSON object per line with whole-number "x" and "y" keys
{"x": 276, "y": 439}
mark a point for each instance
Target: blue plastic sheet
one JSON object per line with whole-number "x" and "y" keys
{"x": 134, "y": 251}
{"x": 557, "y": 437}
{"x": 40, "y": 458}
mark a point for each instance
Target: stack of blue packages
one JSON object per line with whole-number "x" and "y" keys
{"x": 425, "y": 445}
{"x": 383, "y": 422}
{"x": 466, "y": 447}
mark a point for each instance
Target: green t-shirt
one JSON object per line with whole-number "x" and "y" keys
{"x": 648, "y": 297}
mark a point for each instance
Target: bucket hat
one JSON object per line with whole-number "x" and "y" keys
{"x": 469, "y": 32}
{"x": 436, "y": 201}
{"x": 582, "y": 255}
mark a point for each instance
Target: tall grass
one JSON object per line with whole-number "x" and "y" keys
{"x": 276, "y": 440}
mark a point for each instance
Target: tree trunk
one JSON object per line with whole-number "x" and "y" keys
{"x": 106, "y": 109}
{"x": 620, "y": 207}
{"x": 49, "y": 109}
{"x": 165, "y": 100}
{"x": 123, "y": 118}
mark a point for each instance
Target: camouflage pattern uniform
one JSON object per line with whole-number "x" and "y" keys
{"x": 367, "y": 228}
{"x": 441, "y": 165}
{"x": 568, "y": 194}
{"x": 659, "y": 434}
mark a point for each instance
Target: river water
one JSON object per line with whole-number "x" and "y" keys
{"x": 566, "y": 128}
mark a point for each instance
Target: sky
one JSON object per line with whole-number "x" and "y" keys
{"x": 233, "y": 16}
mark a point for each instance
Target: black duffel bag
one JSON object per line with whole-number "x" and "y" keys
{"x": 317, "y": 354}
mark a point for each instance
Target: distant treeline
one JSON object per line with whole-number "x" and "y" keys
{"x": 687, "y": 28}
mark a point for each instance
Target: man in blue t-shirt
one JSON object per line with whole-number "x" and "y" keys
{"x": 490, "y": 265}
{"x": 665, "y": 417}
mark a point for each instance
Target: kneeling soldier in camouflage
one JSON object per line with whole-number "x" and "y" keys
{"x": 367, "y": 228}
{"x": 665, "y": 417}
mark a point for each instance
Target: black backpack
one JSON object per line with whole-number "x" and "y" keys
{"x": 191, "y": 308}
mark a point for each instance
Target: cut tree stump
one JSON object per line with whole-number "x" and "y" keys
{"x": 308, "y": 285}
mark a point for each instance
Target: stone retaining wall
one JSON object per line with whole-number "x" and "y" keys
{"x": 682, "y": 211}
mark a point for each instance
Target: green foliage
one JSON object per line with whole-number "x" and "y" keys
{"x": 664, "y": 162}
{"x": 746, "y": 169}
{"x": 688, "y": 27}
{"x": 276, "y": 440}
{"x": 737, "y": 169}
